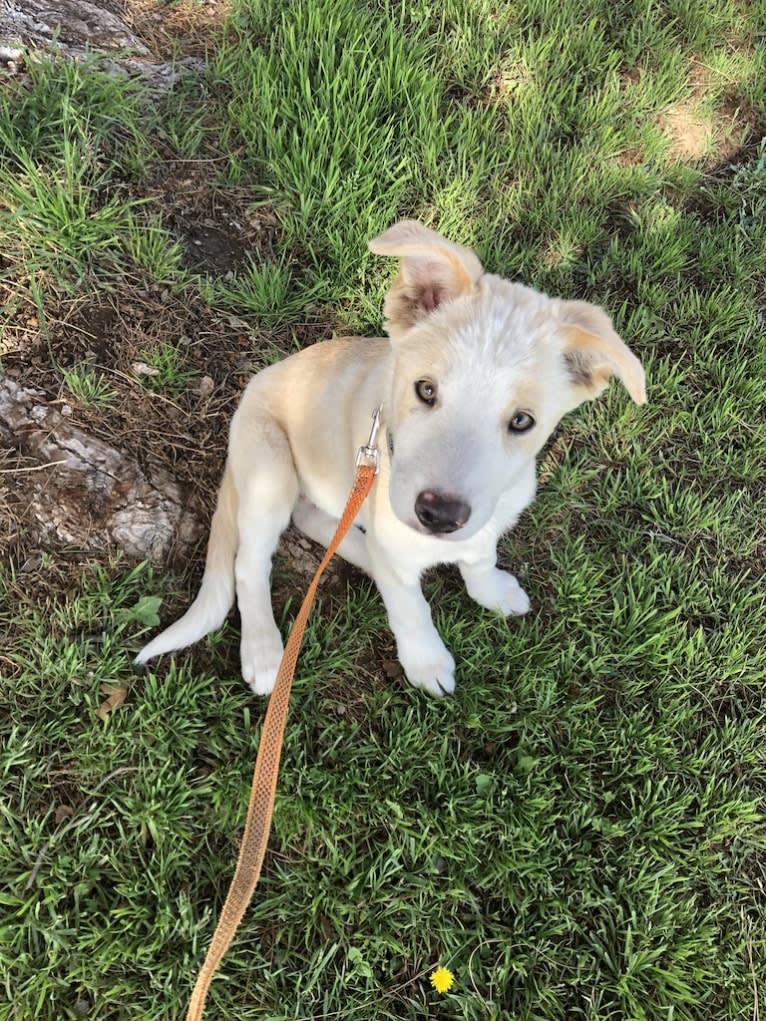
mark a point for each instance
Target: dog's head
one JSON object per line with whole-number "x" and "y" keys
{"x": 484, "y": 370}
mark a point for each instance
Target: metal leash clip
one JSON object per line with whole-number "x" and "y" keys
{"x": 368, "y": 454}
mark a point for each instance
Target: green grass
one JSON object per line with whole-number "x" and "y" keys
{"x": 264, "y": 291}
{"x": 168, "y": 373}
{"x": 85, "y": 384}
{"x": 580, "y": 832}
{"x": 61, "y": 140}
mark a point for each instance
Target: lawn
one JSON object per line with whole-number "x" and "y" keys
{"x": 580, "y": 832}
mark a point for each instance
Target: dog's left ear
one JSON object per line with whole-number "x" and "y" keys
{"x": 433, "y": 270}
{"x": 593, "y": 351}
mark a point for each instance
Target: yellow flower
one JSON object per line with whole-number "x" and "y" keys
{"x": 442, "y": 980}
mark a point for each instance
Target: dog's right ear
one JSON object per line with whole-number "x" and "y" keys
{"x": 433, "y": 271}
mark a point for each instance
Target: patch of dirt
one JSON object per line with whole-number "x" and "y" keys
{"x": 209, "y": 249}
{"x": 693, "y": 131}
{"x": 217, "y": 227}
{"x": 505, "y": 85}
{"x": 19, "y": 322}
{"x": 631, "y": 157}
{"x": 689, "y": 132}
{"x": 176, "y": 430}
{"x": 167, "y": 26}
{"x": 174, "y": 435}
{"x": 746, "y": 129}
{"x": 111, "y": 332}
{"x": 728, "y": 157}
{"x": 696, "y": 132}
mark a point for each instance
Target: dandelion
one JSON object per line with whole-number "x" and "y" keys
{"x": 442, "y": 980}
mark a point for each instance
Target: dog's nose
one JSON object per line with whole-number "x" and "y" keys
{"x": 441, "y": 513}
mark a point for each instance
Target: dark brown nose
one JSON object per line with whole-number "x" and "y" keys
{"x": 439, "y": 512}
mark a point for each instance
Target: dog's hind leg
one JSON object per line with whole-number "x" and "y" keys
{"x": 267, "y": 487}
{"x": 320, "y": 527}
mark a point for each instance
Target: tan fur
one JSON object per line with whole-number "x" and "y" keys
{"x": 433, "y": 269}
{"x": 494, "y": 353}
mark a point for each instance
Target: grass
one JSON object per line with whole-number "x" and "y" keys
{"x": 60, "y": 140}
{"x": 580, "y": 832}
{"x": 87, "y": 385}
{"x": 263, "y": 291}
{"x": 167, "y": 364}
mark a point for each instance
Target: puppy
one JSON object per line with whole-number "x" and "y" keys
{"x": 474, "y": 378}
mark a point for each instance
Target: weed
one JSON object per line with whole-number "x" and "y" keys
{"x": 88, "y": 385}
{"x": 169, "y": 373}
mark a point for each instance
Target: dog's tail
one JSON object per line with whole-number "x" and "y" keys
{"x": 216, "y": 595}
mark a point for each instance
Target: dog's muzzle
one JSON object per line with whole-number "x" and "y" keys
{"x": 441, "y": 513}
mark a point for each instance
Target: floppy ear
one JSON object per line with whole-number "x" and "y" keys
{"x": 593, "y": 351}
{"x": 433, "y": 271}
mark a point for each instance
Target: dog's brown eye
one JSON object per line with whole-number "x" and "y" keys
{"x": 521, "y": 422}
{"x": 426, "y": 391}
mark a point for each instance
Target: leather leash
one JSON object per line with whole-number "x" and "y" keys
{"x": 261, "y": 806}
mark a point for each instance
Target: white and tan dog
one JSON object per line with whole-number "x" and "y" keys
{"x": 476, "y": 375}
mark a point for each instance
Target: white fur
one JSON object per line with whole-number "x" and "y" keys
{"x": 492, "y": 349}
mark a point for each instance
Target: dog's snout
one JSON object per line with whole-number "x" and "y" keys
{"x": 440, "y": 513}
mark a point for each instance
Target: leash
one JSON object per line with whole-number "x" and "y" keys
{"x": 261, "y": 806}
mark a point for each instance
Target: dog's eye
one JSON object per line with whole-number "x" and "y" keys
{"x": 426, "y": 391}
{"x": 521, "y": 422}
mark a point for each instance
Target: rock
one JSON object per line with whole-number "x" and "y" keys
{"x": 78, "y": 25}
{"x": 79, "y": 28}
{"x": 81, "y": 491}
{"x": 205, "y": 387}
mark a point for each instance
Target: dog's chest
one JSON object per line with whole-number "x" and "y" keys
{"x": 324, "y": 494}
{"x": 408, "y": 548}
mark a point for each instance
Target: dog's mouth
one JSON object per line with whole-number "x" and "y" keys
{"x": 454, "y": 535}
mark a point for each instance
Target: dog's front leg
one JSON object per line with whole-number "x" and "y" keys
{"x": 492, "y": 588}
{"x": 426, "y": 661}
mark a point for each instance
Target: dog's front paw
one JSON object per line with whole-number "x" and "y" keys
{"x": 513, "y": 600}
{"x": 429, "y": 666}
{"x": 260, "y": 659}
{"x": 501, "y": 592}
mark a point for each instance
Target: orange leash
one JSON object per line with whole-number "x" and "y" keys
{"x": 261, "y": 806}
